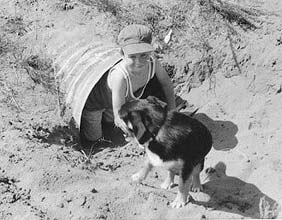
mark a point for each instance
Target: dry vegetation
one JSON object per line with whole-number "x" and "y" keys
{"x": 191, "y": 56}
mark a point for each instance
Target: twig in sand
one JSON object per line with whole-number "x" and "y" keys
{"x": 12, "y": 95}
{"x": 15, "y": 101}
{"x": 88, "y": 157}
{"x": 233, "y": 52}
{"x": 252, "y": 82}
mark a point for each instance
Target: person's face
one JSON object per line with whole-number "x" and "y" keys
{"x": 137, "y": 61}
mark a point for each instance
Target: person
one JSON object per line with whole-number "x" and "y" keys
{"x": 137, "y": 76}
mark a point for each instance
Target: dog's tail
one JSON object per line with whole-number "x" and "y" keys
{"x": 194, "y": 112}
{"x": 182, "y": 104}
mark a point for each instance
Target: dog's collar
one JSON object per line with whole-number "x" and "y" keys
{"x": 151, "y": 135}
{"x": 145, "y": 137}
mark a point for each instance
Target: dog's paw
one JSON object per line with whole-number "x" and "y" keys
{"x": 166, "y": 185}
{"x": 196, "y": 185}
{"x": 197, "y": 188}
{"x": 178, "y": 203}
{"x": 137, "y": 177}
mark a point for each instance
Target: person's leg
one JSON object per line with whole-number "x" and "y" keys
{"x": 90, "y": 128}
{"x": 110, "y": 131}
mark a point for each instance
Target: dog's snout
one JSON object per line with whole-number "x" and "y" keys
{"x": 125, "y": 135}
{"x": 128, "y": 136}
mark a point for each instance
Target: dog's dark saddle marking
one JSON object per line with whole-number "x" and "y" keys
{"x": 158, "y": 147}
{"x": 181, "y": 136}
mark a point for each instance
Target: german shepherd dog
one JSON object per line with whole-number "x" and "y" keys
{"x": 171, "y": 139}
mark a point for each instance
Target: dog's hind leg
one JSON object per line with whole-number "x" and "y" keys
{"x": 143, "y": 173}
{"x": 196, "y": 185}
{"x": 183, "y": 187}
{"x": 167, "y": 184}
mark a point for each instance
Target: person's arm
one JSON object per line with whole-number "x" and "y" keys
{"x": 118, "y": 86}
{"x": 166, "y": 85}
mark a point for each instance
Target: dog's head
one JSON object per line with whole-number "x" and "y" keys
{"x": 143, "y": 118}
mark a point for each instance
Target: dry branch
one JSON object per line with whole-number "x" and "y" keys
{"x": 234, "y": 13}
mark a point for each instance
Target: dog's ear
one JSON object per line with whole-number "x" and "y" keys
{"x": 124, "y": 114}
{"x": 146, "y": 119}
{"x": 157, "y": 101}
{"x": 152, "y": 99}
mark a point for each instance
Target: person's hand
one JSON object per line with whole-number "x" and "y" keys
{"x": 120, "y": 123}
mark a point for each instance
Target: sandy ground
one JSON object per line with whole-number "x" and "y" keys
{"x": 44, "y": 175}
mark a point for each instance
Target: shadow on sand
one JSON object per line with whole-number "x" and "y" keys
{"x": 223, "y": 132}
{"x": 230, "y": 194}
{"x": 70, "y": 137}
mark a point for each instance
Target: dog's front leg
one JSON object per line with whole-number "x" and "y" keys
{"x": 185, "y": 177}
{"x": 143, "y": 173}
{"x": 182, "y": 194}
{"x": 167, "y": 184}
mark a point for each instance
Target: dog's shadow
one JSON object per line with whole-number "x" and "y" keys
{"x": 223, "y": 132}
{"x": 230, "y": 194}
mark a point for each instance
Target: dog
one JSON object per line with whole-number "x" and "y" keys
{"x": 172, "y": 140}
